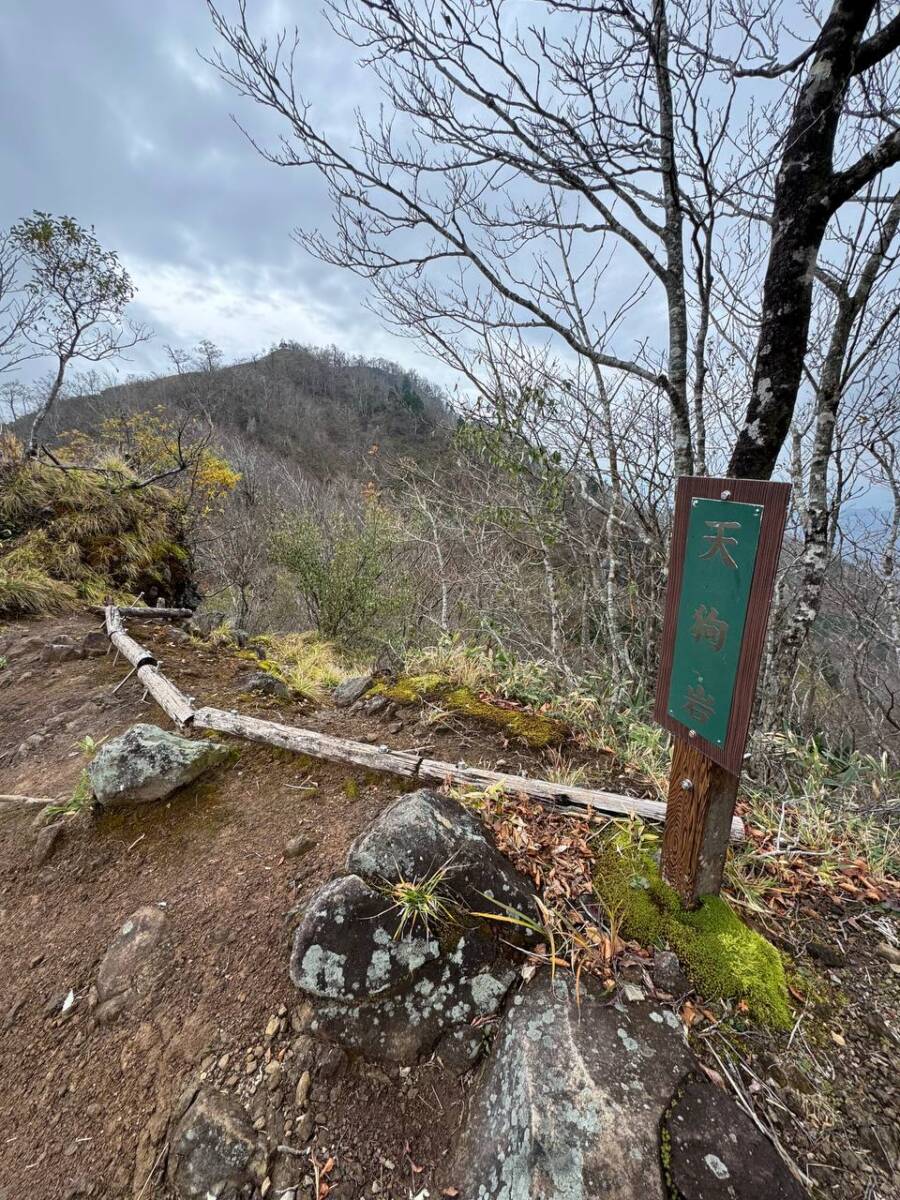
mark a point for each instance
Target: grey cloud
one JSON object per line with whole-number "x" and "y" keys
{"x": 114, "y": 118}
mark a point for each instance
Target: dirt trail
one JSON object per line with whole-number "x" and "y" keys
{"x": 79, "y": 1100}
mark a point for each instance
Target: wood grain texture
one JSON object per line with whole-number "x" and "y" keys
{"x": 172, "y": 701}
{"x": 140, "y": 612}
{"x": 699, "y": 821}
{"x": 774, "y": 499}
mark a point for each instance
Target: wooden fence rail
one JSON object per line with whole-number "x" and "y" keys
{"x": 375, "y": 758}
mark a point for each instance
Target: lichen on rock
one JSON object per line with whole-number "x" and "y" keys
{"x": 396, "y": 991}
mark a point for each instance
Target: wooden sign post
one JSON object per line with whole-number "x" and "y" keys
{"x": 726, "y": 541}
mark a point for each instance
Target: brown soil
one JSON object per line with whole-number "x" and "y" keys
{"x": 80, "y": 1101}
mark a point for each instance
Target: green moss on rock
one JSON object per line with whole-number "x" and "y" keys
{"x": 534, "y": 729}
{"x": 724, "y": 958}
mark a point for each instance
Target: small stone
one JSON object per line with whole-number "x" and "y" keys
{"x": 887, "y": 951}
{"x": 351, "y": 690}
{"x": 667, "y": 974}
{"x": 223, "y": 1062}
{"x": 302, "y": 1093}
{"x": 296, "y": 847}
{"x": 632, "y": 993}
{"x": 830, "y": 956}
{"x": 272, "y": 1027}
{"x": 46, "y": 843}
{"x": 303, "y": 1130}
{"x": 94, "y": 644}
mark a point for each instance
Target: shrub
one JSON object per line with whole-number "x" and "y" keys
{"x": 340, "y": 571}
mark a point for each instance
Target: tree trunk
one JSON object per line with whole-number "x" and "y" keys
{"x": 803, "y": 205}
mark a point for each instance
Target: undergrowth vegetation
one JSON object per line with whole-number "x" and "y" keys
{"x": 86, "y": 524}
{"x": 724, "y": 957}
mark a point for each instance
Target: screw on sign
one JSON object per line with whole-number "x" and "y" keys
{"x": 726, "y": 540}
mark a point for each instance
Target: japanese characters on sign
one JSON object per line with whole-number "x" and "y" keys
{"x": 721, "y": 575}
{"x": 720, "y": 554}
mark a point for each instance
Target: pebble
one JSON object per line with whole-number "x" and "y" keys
{"x": 303, "y": 1085}
{"x": 272, "y": 1027}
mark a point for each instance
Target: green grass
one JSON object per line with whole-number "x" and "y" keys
{"x": 421, "y": 904}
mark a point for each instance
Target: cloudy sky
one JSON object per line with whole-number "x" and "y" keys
{"x": 112, "y": 117}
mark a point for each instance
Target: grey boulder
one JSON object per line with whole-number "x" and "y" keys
{"x": 345, "y": 946}
{"x": 351, "y": 690}
{"x": 400, "y": 994}
{"x": 265, "y": 685}
{"x": 146, "y": 763}
{"x": 215, "y": 1153}
{"x": 424, "y": 832}
{"x": 715, "y": 1152}
{"x": 571, "y": 1100}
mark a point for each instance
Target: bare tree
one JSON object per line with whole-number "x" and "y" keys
{"x": 18, "y": 306}
{"x": 516, "y": 165}
{"x": 845, "y": 100}
{"x": 80, "y": 292}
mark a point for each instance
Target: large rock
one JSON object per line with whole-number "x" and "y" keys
{"x": 399, "y": 998}
{"x": 432, "y": 1008}
{"x": 571, "y": 1101}
{"x": 215, "y": 1153}
{"x": 146, "y": 763}
{"x": 715, "y": 1152}
{"x": 424, "y": 832}
{"x": 351, "y": 690}
{"x": 134, "y": 963}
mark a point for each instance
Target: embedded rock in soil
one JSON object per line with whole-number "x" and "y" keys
{"x": 134, "y": 962}
{"x": 264, "y": 685}
{"x": 46, "y": 843}
{"x": 444, "y": 996}
{"x": 202, "y": 624}
{"x": 61, "y": 649}
{"x": 215, "y": 1152}
{"x": 715, "y": 1152}
{"x": 395, "y": 998}
{"x": 423, "y": 832}
{"x": 667, "y": 974}
{"x": 94, "y": 644}
{"x": 571, "y": 1100}
{"x": 146, "y": 763}
{"x": 350, "y": 691}
{"x": 387, "y": 997}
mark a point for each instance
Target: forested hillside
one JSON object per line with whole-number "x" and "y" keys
{"x": 316, "y": 408}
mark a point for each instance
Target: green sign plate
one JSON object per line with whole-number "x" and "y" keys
{"x": 720, "y": 556}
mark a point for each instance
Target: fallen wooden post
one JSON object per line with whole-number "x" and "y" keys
{"x": 173, "y": 702}
{"x": 559, "y": 795}
{"x": 307, "y": 741}
{"x": 27, "y": 800}
{"x": 141, "y": 612}
{"x": 413, "y": 766}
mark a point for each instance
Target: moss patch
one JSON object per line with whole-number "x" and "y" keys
{"x": 410, "y": 688}
{"x": 724, "y": 958}
{"x": 535, "y": 730}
